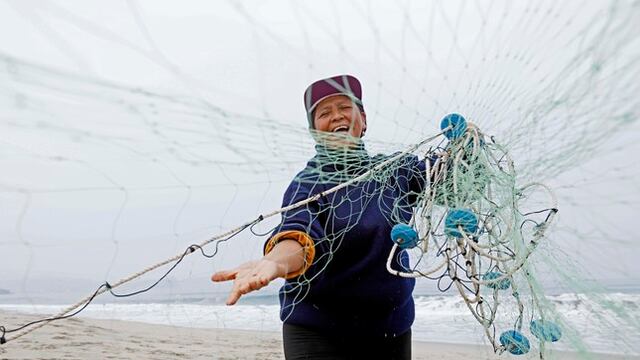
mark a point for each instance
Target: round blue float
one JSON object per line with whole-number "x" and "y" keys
{"x": 514, "y": 342}
{"x": 404, "y": 235}
{"x": 502, "y": 284}
{"x": 460, "y": 217}
{"x": 458, "y": 126}
{"x": 545, "y": 330}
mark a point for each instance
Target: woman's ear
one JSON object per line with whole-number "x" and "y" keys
{"x": 364, "y": 123}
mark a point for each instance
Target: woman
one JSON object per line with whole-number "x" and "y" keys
{"x": 338, "y": 301}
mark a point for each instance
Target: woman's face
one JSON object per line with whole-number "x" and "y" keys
{"x": 339, "y": 115}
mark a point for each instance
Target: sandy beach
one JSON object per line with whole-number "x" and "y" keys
{"x": 82, "y": 338}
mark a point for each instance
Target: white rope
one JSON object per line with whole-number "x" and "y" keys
{"x": 310, "y": 199}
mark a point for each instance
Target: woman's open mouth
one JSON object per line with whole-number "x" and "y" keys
{"x": 342, "y": 128}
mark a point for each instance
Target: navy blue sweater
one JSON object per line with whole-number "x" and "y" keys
{"x": 347, "y": 290}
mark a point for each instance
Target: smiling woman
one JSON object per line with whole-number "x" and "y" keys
{"x": 350, "y": 306}
{"x": 335, "y": 104}
{"x": 339, "y": 114}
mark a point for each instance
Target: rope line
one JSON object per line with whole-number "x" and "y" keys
{"x": 107, "y": 287}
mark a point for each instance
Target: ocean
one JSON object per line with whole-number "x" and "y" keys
{"x": 439, "y": 318}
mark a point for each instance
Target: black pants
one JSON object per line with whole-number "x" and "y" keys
{"x": 304, "y": 343}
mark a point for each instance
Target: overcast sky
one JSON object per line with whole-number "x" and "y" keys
{"x": 129, "y": 130}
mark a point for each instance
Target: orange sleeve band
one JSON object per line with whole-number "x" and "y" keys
{"x": 303, "y": 239}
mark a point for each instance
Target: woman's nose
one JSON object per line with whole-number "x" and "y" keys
{"x": 336, "y": 115}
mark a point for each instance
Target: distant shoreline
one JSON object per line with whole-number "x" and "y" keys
{"x": 205, "y": 298}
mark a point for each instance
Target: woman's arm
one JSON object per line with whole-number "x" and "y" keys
{"x": 286, "y": 257}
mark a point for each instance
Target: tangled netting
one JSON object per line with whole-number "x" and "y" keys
{"x": 470, "y": 209}
{"x": 105, "y": 171}
{"x": 474, "y": 221}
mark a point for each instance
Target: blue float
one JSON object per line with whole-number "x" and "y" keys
{"x": 460, "y": 217}
{"x": 404, "y": 235}
{"x": 514, "y": 342}
{"x": 458, "y": 126}
{"x": 502, "y": 284}
{"x": 545, "y": 330}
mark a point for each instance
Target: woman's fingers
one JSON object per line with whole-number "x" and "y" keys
{"x": 257, "y": 282}
{"x": 233, "y": 274}
{"x": 245, "y": 285}
{"x": 236, "y": 292}
{"x": 233, "y": 297}
{"x": 250, "y": 276}
{"x": 224, "y": 275}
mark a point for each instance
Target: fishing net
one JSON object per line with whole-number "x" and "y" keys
{"x": 147, "y": 131}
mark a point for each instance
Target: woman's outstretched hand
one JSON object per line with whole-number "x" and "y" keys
{"x": 286, "y": 257}
{"x": 250, "y": 276}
